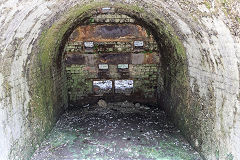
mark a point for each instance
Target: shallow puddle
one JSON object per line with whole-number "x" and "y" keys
{"x": 120, "y": 131}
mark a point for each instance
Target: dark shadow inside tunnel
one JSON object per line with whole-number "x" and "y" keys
{"x": 117, "y": 55}
{"x": 112, "y": 57}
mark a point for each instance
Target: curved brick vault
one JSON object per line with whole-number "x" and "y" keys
{"x": 200, "y": 48}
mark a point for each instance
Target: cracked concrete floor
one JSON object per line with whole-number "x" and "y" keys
{"x": 120, "y": 131}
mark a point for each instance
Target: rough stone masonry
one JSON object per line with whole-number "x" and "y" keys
{"x": 200, "y": 42}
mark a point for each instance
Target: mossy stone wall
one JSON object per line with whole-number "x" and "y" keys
{"x": 200, "y": 49}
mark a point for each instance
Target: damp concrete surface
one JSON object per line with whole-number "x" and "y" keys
{"x": 120, "y": 131}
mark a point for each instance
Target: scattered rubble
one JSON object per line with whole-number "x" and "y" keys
{"x": 102, "y": 103}
{"x": 120, "y": 131}
{"x": 137, "y": 105}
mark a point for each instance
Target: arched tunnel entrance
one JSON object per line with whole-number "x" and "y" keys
{"x": 131, "y": 77}
{"x": 114, "y": 69}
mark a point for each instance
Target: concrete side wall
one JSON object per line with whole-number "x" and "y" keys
{"x": 209, "y": 32}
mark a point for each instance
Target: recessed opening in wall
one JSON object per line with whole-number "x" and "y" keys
{"x": 123, "y": 86}
{"x": 88, "y": 46}
{"x": 103, "y": 67}
{"x": 138, "y": 45}
{"x": 102, "y": 87}
{"x": 122, "y": 66}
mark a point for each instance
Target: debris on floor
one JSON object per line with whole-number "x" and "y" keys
{"x": 102, "y": 103}
{"x": 120, "y": 131}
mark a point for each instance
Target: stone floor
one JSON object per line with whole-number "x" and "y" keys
{"x": 120, "y": 131}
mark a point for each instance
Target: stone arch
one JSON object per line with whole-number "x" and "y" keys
{"x": 49, "y": 59}
{"x": 208, "y": 112}
{"x": 46, "y": 101}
